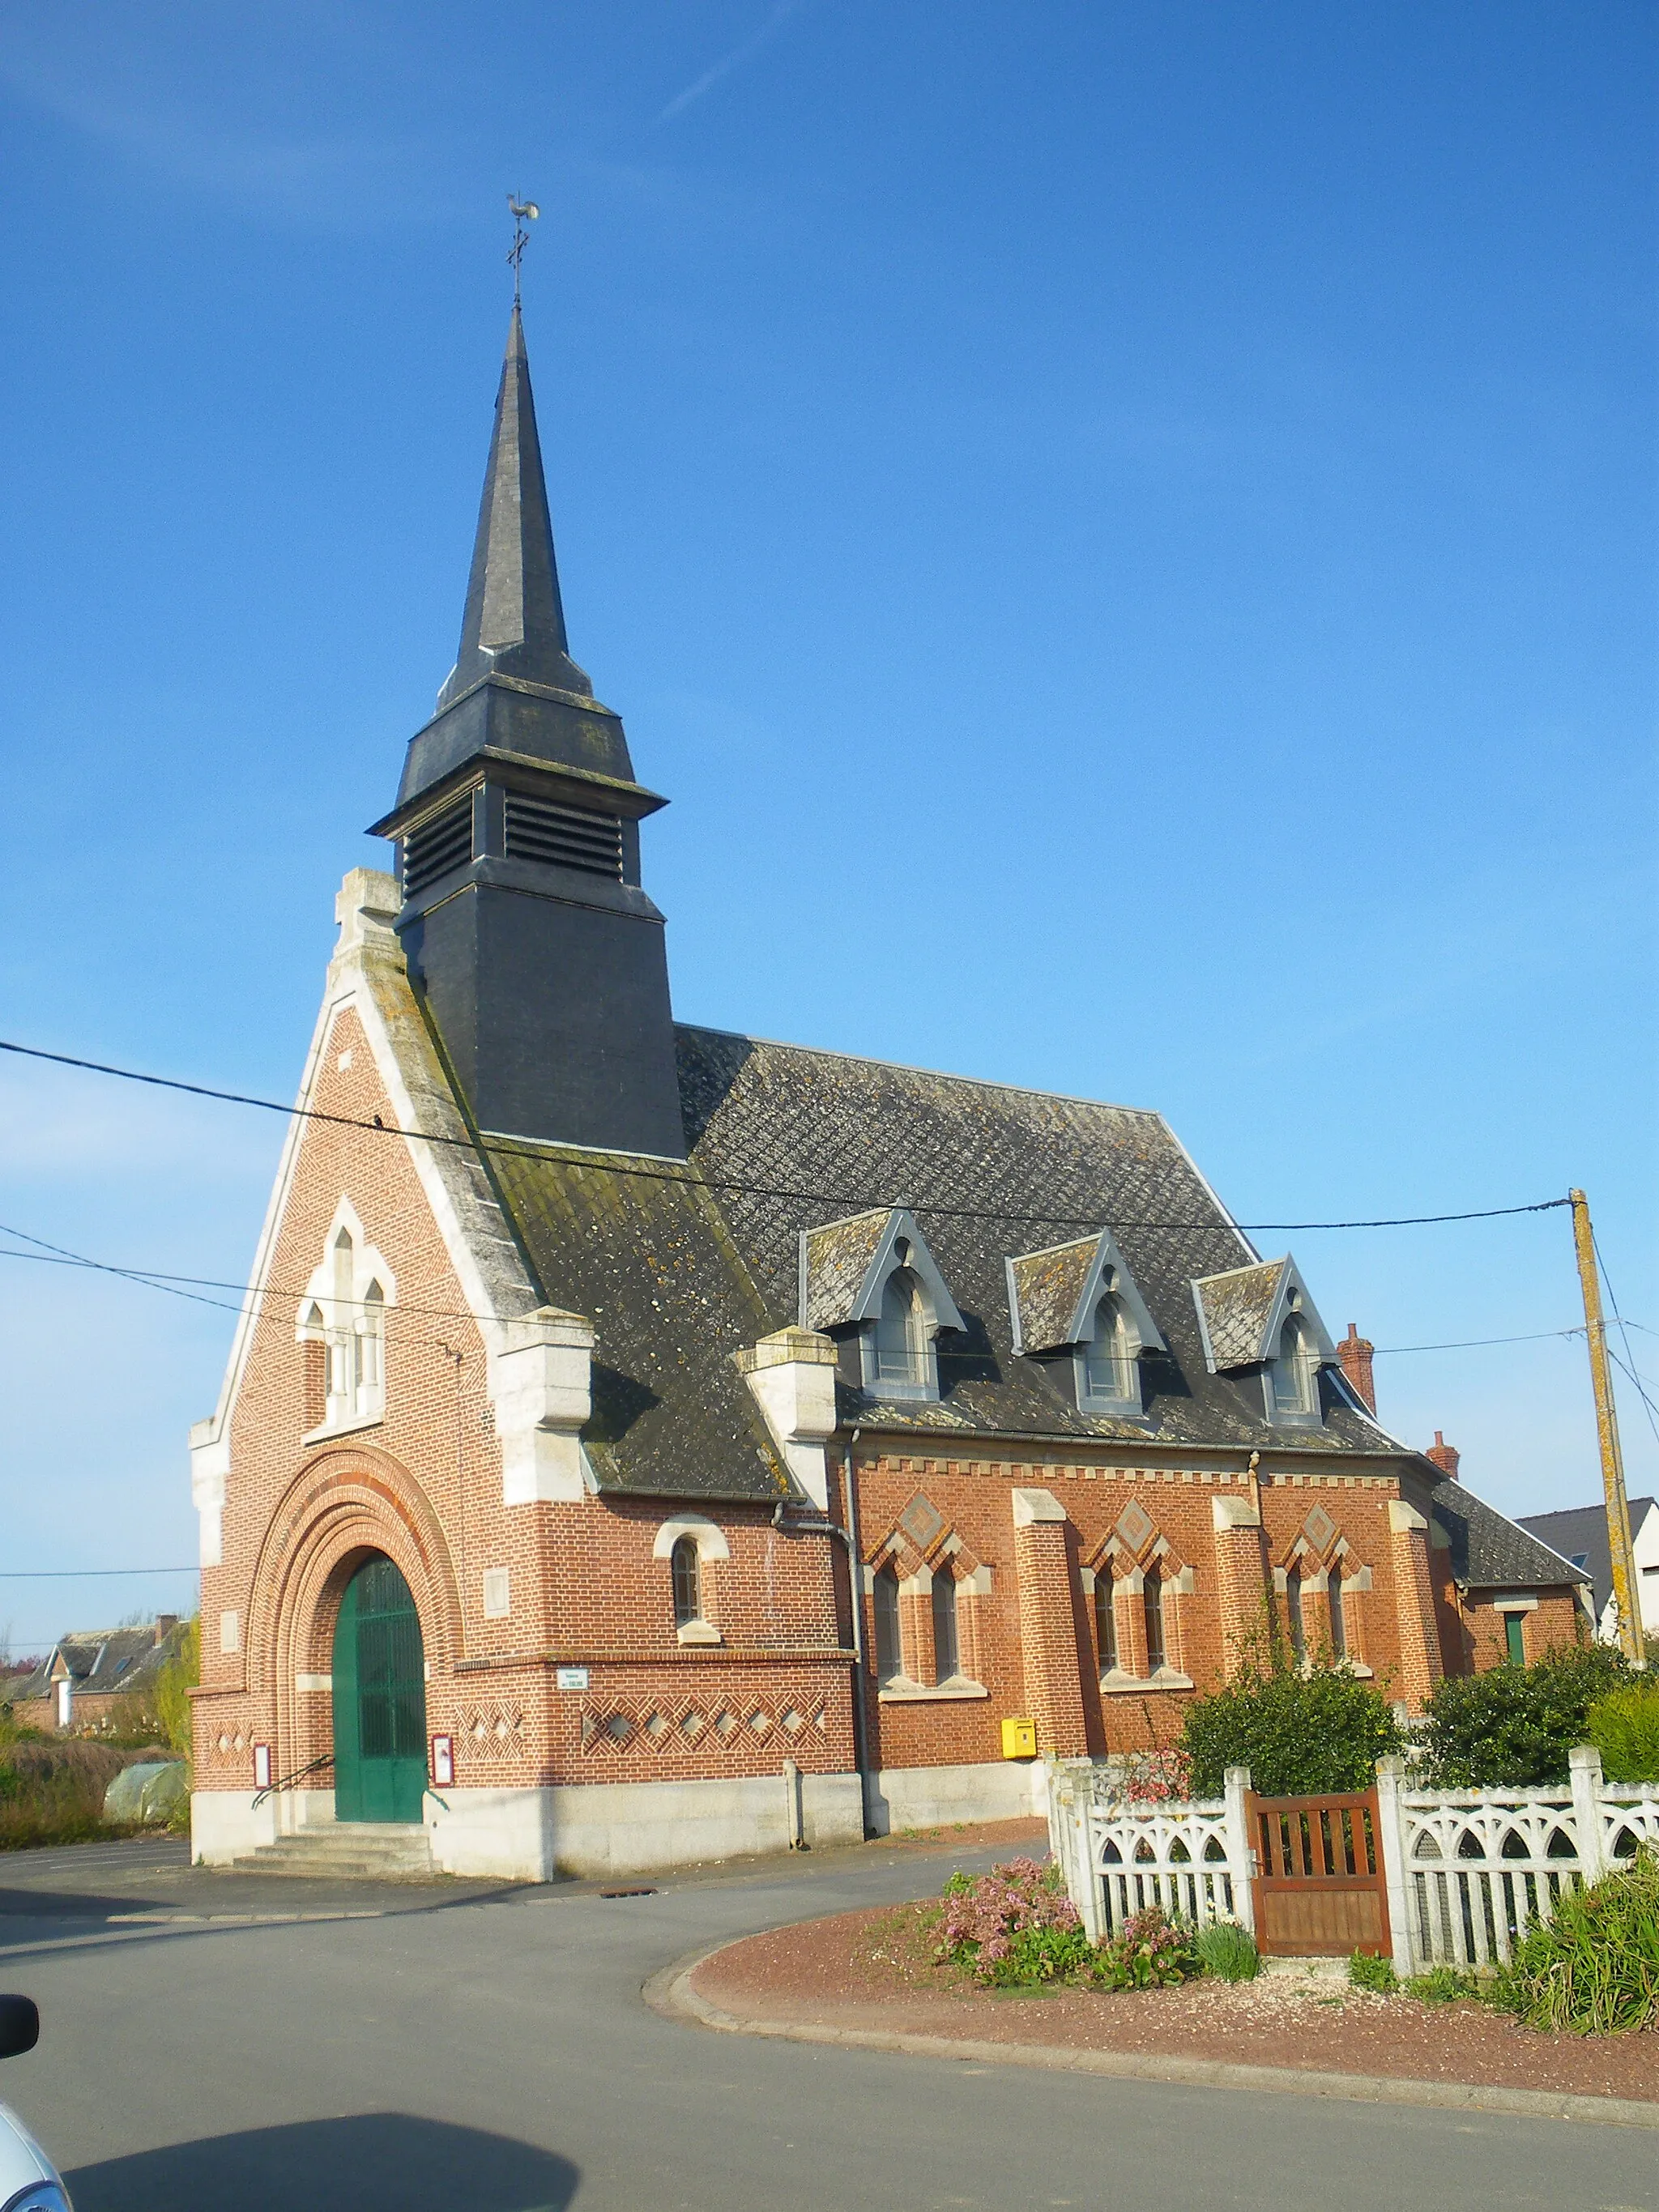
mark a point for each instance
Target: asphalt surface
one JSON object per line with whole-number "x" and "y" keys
{"x": 467, "y": 2048}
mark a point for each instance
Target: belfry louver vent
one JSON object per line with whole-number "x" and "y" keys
{"x": 437, "y": 845}
{"x": 569, "y": 836}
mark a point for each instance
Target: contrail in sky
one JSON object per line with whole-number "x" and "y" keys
{"x": 739, "y": 54}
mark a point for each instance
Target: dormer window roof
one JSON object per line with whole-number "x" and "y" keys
{"x": 873, "y": 1272}
{"x": 1080, "y": 1297}
{"x": 1053, "y": 1296}
{"x": 1263, "y": 1317}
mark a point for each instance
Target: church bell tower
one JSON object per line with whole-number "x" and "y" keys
{"x": 540, "y": 958}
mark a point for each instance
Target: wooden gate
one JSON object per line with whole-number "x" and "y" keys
{"x": 1316, "y": 1875}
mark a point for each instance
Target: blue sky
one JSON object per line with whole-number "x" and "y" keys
{"x": 1126, "y": 533}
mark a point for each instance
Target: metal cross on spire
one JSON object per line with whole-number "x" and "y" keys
{"x": 523, "y": 212}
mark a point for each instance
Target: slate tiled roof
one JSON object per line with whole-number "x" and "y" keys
{"x": 838, "y": 1259}
{"x": 101, "y": 1662}
{"x": 650, "y": 1261}
{"x": 1048, "y": 1285}
{"x": 1236, "y": 1307}
{"x": 1489, "y": 1551}
{"x": 679, "y": 1268}
{"x": 1583, "y": 1530}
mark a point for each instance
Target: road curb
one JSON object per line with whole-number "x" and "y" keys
{"x": 670, "y": 1995}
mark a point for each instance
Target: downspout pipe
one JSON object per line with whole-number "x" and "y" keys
{"x": 848, "y": 1536}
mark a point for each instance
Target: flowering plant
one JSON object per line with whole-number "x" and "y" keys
{"x": 1156, "y": 1777}
{"x": 1149, "y": 1952}
{"x": 1014, "y": 1925}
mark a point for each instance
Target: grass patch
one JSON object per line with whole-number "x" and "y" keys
{"x": 1228, "y": 1952}
{"x": 1367, "y": 1972}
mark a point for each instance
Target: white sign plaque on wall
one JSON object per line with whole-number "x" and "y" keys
{"x": 443, "y": 1761}
{"x": 573, "y": 1678}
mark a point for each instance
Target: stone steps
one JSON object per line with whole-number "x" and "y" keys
{"x": 347, "y": 1850}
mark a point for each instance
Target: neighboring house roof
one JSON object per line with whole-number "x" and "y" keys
{"x": 681, "y": 1267}
{"x": 99, "y": 1663}
{"x": 1581, "y": 1533}
{"x": 1490, "y": 1552}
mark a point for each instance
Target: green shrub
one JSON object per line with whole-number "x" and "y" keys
{"x": 1595, "y": 1967}
{"x": 1367, "y": 1972}
{"x": 52, "y": 1790}
{"x": 1513, "y": 1727}
{"x": 1300, "y": 1728}
{"x": 1624, "y": 1726}
{"x": 1228, "y": 1951}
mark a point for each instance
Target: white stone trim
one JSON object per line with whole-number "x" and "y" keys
{"x": 1031, "y": 1506}
{"x": 792, "y": 1375}
{"x": 711, "y": 1539}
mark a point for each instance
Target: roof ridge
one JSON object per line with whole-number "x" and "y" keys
{"x": 938, "y": 1074}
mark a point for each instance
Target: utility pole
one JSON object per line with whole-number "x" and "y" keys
{"x": 1630, "y": 1639}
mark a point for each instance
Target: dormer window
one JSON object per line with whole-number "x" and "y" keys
{"x": 1292, "y": 1375}
{"x": 1261, "y": 1319}
{"x": 871, "y": 1283}
{"x": 901, "y": 1364}
{"x": 1108, "y": 1378}
{"x": 1076, "y": 1309}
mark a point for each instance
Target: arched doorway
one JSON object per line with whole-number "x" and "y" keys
{"x": 380, "y": 1698}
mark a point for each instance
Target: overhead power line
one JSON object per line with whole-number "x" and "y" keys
{"x": 500, "y": 1148}
{"x": 84, "y": 1574}
{"x": 154, "y": 1280}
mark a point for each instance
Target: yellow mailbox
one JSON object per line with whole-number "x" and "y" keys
{"x": 1019, "y": 1739}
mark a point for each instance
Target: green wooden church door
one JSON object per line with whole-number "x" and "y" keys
{"x": 380, "y": 1700}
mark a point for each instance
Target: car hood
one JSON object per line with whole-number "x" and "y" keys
{"x": 21, "y": 2159}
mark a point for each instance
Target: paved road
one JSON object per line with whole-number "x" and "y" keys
{"x": 476, "y": 2051}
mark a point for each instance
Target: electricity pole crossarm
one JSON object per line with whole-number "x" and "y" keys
{"x": 1630, "y": 1639}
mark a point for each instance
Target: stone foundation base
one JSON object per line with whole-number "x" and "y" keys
{"x": 941, "y": 1796}
{"x": 601, "y": 1829}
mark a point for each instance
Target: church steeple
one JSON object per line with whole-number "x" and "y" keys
{"x": 514, "y": 619}
{"x": 524, "y": 921}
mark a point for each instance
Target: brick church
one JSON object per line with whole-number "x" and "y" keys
{"x": 644, "y": 1444}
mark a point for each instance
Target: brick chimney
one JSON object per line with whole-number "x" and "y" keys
{"x": 1445, "y": 1457}
{"x": 165, "y": 1625}
{"x": 1355, "y": 1353}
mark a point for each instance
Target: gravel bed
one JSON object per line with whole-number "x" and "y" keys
{"x": 873, "y": 1969}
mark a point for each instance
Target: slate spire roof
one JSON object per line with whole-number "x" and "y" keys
{"x": 513, "y": 624}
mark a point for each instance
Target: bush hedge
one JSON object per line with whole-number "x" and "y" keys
{"x": 1624, "y": 1726}
{"x": 1300, "y": 1728}
{"x": 1513, "y": 1727}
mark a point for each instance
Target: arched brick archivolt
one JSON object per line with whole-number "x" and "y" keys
{"x": 344, "y": 1505}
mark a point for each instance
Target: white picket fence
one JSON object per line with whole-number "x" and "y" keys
{"x": 1469, "y": 1871}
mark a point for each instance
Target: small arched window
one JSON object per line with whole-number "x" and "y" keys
{"x": 1106, "y": 1620}
{"x": 1339, "y": 1618}
{"x": 1292, "y": 1375}
{"x": 885, "y": 1607}
{"x": 1293, "y": 1614}
{"x": 947, "y": 1649}
{"x": 686, "y": 1568}
{"x": 903, "y": 1360}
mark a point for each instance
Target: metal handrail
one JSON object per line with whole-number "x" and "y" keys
{"x": 287, "y": 1780}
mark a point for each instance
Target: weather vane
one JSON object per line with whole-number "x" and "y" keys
{"x": 523, "y": 211}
